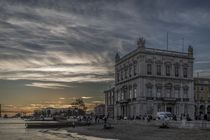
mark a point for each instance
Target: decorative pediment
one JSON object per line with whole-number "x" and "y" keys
{"x": 167, "y": 63}
{"x": 185, "y": 87}
{"x": 149, "y": 85}
{"x": 125, "y": 87}
{"x": 168, "y": 85}
{"x": 159, "y": 85}
{"x": 176, "y": 64}
{"x": 185, "y": 65}
{"x": 158, "y": 62}
{"x": 149, "y": 61}
{"x": 177, "y": 87}
{"x": 134, "y": 61}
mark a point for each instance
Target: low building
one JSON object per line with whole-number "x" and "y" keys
{"x": 99, "y": 110}
{"x": 109, "y": 102}
{"x": 202, "y": 97}
{"x": 50, "y": 112}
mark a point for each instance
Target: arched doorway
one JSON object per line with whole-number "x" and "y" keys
{"x": 196, "y": 113}
{"x": 202, "y": 110}
{"x": 208, "y": 112}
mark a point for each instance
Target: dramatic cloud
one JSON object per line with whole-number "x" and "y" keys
{"x": 85, "y": 97}
{"x": 55, "y": 44}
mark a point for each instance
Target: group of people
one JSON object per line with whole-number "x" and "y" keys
{"x": 149, "y": 117}
{"x": 202, "y": 117}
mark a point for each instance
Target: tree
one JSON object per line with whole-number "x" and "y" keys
{"x": 79, "y": 103}
{"x": 5, "y": 116}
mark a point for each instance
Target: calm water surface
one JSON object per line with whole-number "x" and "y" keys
{"x": 14, "y": 129}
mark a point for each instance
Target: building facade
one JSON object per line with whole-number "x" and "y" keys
{"x": 202, "y": 97}
{"x": 99, "y": 110}
{"x": 110, "y": 102}
{"x": 150, "y": 80}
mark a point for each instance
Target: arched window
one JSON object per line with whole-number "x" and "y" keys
{"x": 159, "y": 90}
{"x": 130, "y": 92}
{"x": 177, "y": 91}
{"x": 185, "y": 69}
{"x": 149, "y": 69}
{"x": 135, "y": 67}
{"x": 158, "y": 69}
{"x": 134, "y": 91}
{"x": 168, "y": 89}
{"x": 168, "y": 70}
{"x": 149, "y": 88}
{"x": 185, "y": 91}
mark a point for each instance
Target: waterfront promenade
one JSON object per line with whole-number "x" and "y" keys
{"x": 123, "y": 130}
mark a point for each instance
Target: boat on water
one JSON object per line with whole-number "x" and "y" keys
{"x": 48, "y": 124}
{"x": 55, "y": 124}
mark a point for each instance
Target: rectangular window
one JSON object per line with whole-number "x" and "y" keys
{"x": 149, "y": 69}
{"x": 130, "y": 93}
{"x": 185, "y": 93}
{"x": 125, "y": 73}
{"x": 118, "y": 94}
{"x": 118, "y": 77}
{"x": 122, "y": 96}
{"x": 121, "y": 74}
{"x": 168, "y": 92}
{"x": 149, "y": 92}
{"x": 134, "y": 92}
{"x": 112, "y": 97}
{"x": 108, "y": 99}
{"x": 176, "y": 92}
{"x": 158, "y": 69}
{"x": 130, "y": 69}
{"x": 134, "y": 69}
{"x": 185, "y": 72}
{"x": 159, "y": 92}
{"x": 176, "y": 71}
{"x": 168, "y": 70}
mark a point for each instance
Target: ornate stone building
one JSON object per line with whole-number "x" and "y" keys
{"x": 202, "y": 97}
{"x": 110, "y": 102}
{"x": 149, "y": 80}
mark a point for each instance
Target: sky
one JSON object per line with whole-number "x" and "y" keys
{"x": 53, "y": 51}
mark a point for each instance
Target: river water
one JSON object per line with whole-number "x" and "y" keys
{"x": 14, "y": 129}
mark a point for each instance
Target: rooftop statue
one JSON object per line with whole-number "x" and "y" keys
{"x": 117, "y": 56}
{"x": 141, "y": 42}
{"x": 190, "y": 49}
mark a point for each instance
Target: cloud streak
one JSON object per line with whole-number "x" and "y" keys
{"x": 48, "y": 85}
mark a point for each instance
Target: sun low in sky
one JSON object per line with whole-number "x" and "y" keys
{"x": 52, "y": 52}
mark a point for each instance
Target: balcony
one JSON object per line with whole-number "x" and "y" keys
{"x": 134, "y": 99}
{"x": 186, "y": 99}
{"x": 149, "y": 98}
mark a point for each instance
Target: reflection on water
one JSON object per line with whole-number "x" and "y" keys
{"x": 14, "y": 129}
